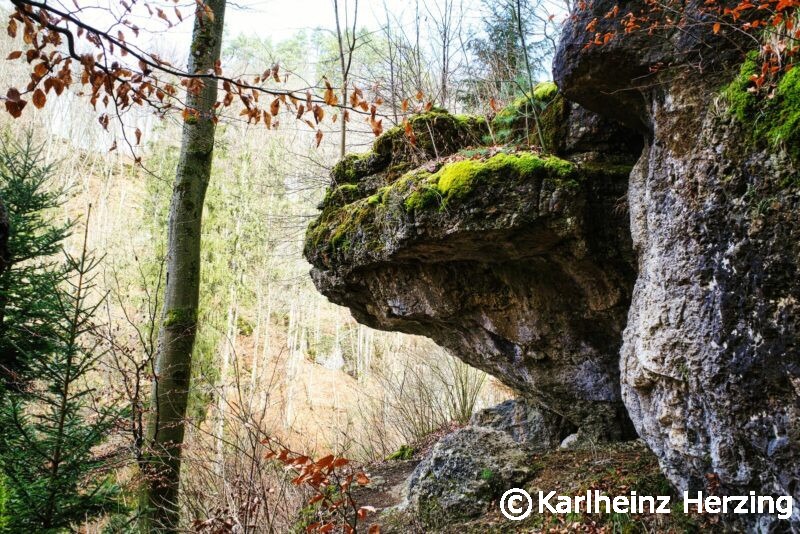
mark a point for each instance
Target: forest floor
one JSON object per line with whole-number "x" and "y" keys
{"x": 614, "y": 469}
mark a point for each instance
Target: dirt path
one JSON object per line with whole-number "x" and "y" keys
{"x": 387, "y": 480}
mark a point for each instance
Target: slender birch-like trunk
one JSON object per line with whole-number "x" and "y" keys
{"x": 162, "y": 463}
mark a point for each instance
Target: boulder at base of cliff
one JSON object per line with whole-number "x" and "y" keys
{"x": 468, "y": 470}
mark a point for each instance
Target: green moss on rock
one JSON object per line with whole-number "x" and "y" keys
{"x": 341, "y": 195}
{"x": 742, "y": 103}
{"x": 775, "y": 121}
{"x": 422, "y": 198}
{"x": 353, "y": 167}
{"x": 785, "y": 111}
{"x": 437, "y": 132}
{"x": 405, "y": 452}
{"x": 457, "y": 180}
{"x": 515, "y": 123}
{"x": 554, "y": 124}
{"x": 545, "y": 91}
{"x": 367, "y": 225}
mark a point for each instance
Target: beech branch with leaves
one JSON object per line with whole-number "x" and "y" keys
{"x": 64, "y": 50}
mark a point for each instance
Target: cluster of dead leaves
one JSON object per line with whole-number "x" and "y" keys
{"x": 149, "y": 80}
{"x": 775, "y": 20}
{"x": 330, "y": 481}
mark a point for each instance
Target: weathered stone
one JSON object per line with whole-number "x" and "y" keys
{"x": 710, "y": 362}
{"x": 568, "y": 130}
{"x": 526, "y": 422}
{"x": 454, "y": 483}
{"x": 470, "y": 468}
{"x": 569, "y": 442}
{"x": 619, "y": 79}
{"x": 519, "y": 265}
{"x": 593, "y": 137}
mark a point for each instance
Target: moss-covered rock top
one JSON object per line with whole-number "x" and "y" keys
{"x": 436, "y": 133}
{"x": 516, "y": 123}
{"x": 437, "y": 136}
{"x": 488, "y": 192}
{"x": 445, "y": 174}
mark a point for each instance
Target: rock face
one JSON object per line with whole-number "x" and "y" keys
{"x": 710, "y": 363}
{"x": 454, "y": 483}
{"x": 520, "y": 265}
{"x": 526, "y": 422}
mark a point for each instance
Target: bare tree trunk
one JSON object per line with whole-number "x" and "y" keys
{"x": 228, "y": 351}
{"x": 518, "y": 15}
{"x": 181, "y": 293}
{"x": 292, "y": 361}
{"x": 256, "y": 339}
{"x": 347, "y": 45}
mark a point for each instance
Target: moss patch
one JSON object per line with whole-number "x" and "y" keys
{"x": 341, "y": 195}
{"x": 331, "y": 229}
{"x": 438, "y": 134}
{"x": 353, "y": 167}
{"x": 785, "y": 111}
{"x": 457, "y": 180}
{"x": 515, "y": 123}
{"x": 422, "y": 198}
{"x": 773, "y": 122}
{"x": 181, "y": 317}
{"x": 341, "y": 226}
{"x": 545, "y": 91}
{"x": 405, "y": 452}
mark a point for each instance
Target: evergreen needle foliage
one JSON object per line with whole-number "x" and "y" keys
{"x": 27, "y": 302}
{"x": 53, "y": 472}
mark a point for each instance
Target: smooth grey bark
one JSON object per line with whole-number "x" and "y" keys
{"x": 181, "y": 293}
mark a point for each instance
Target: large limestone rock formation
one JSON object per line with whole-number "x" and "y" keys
{"x": 518, "y": 264}
{"x": 710, "y": 363}
{"x": 667, "y": 294}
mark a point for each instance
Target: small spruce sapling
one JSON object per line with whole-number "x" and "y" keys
{"x": 55, "y": 476}
{"x": 32, "y": 241}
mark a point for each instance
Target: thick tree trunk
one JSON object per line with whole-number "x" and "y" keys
{"x": 179, "y": 316}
